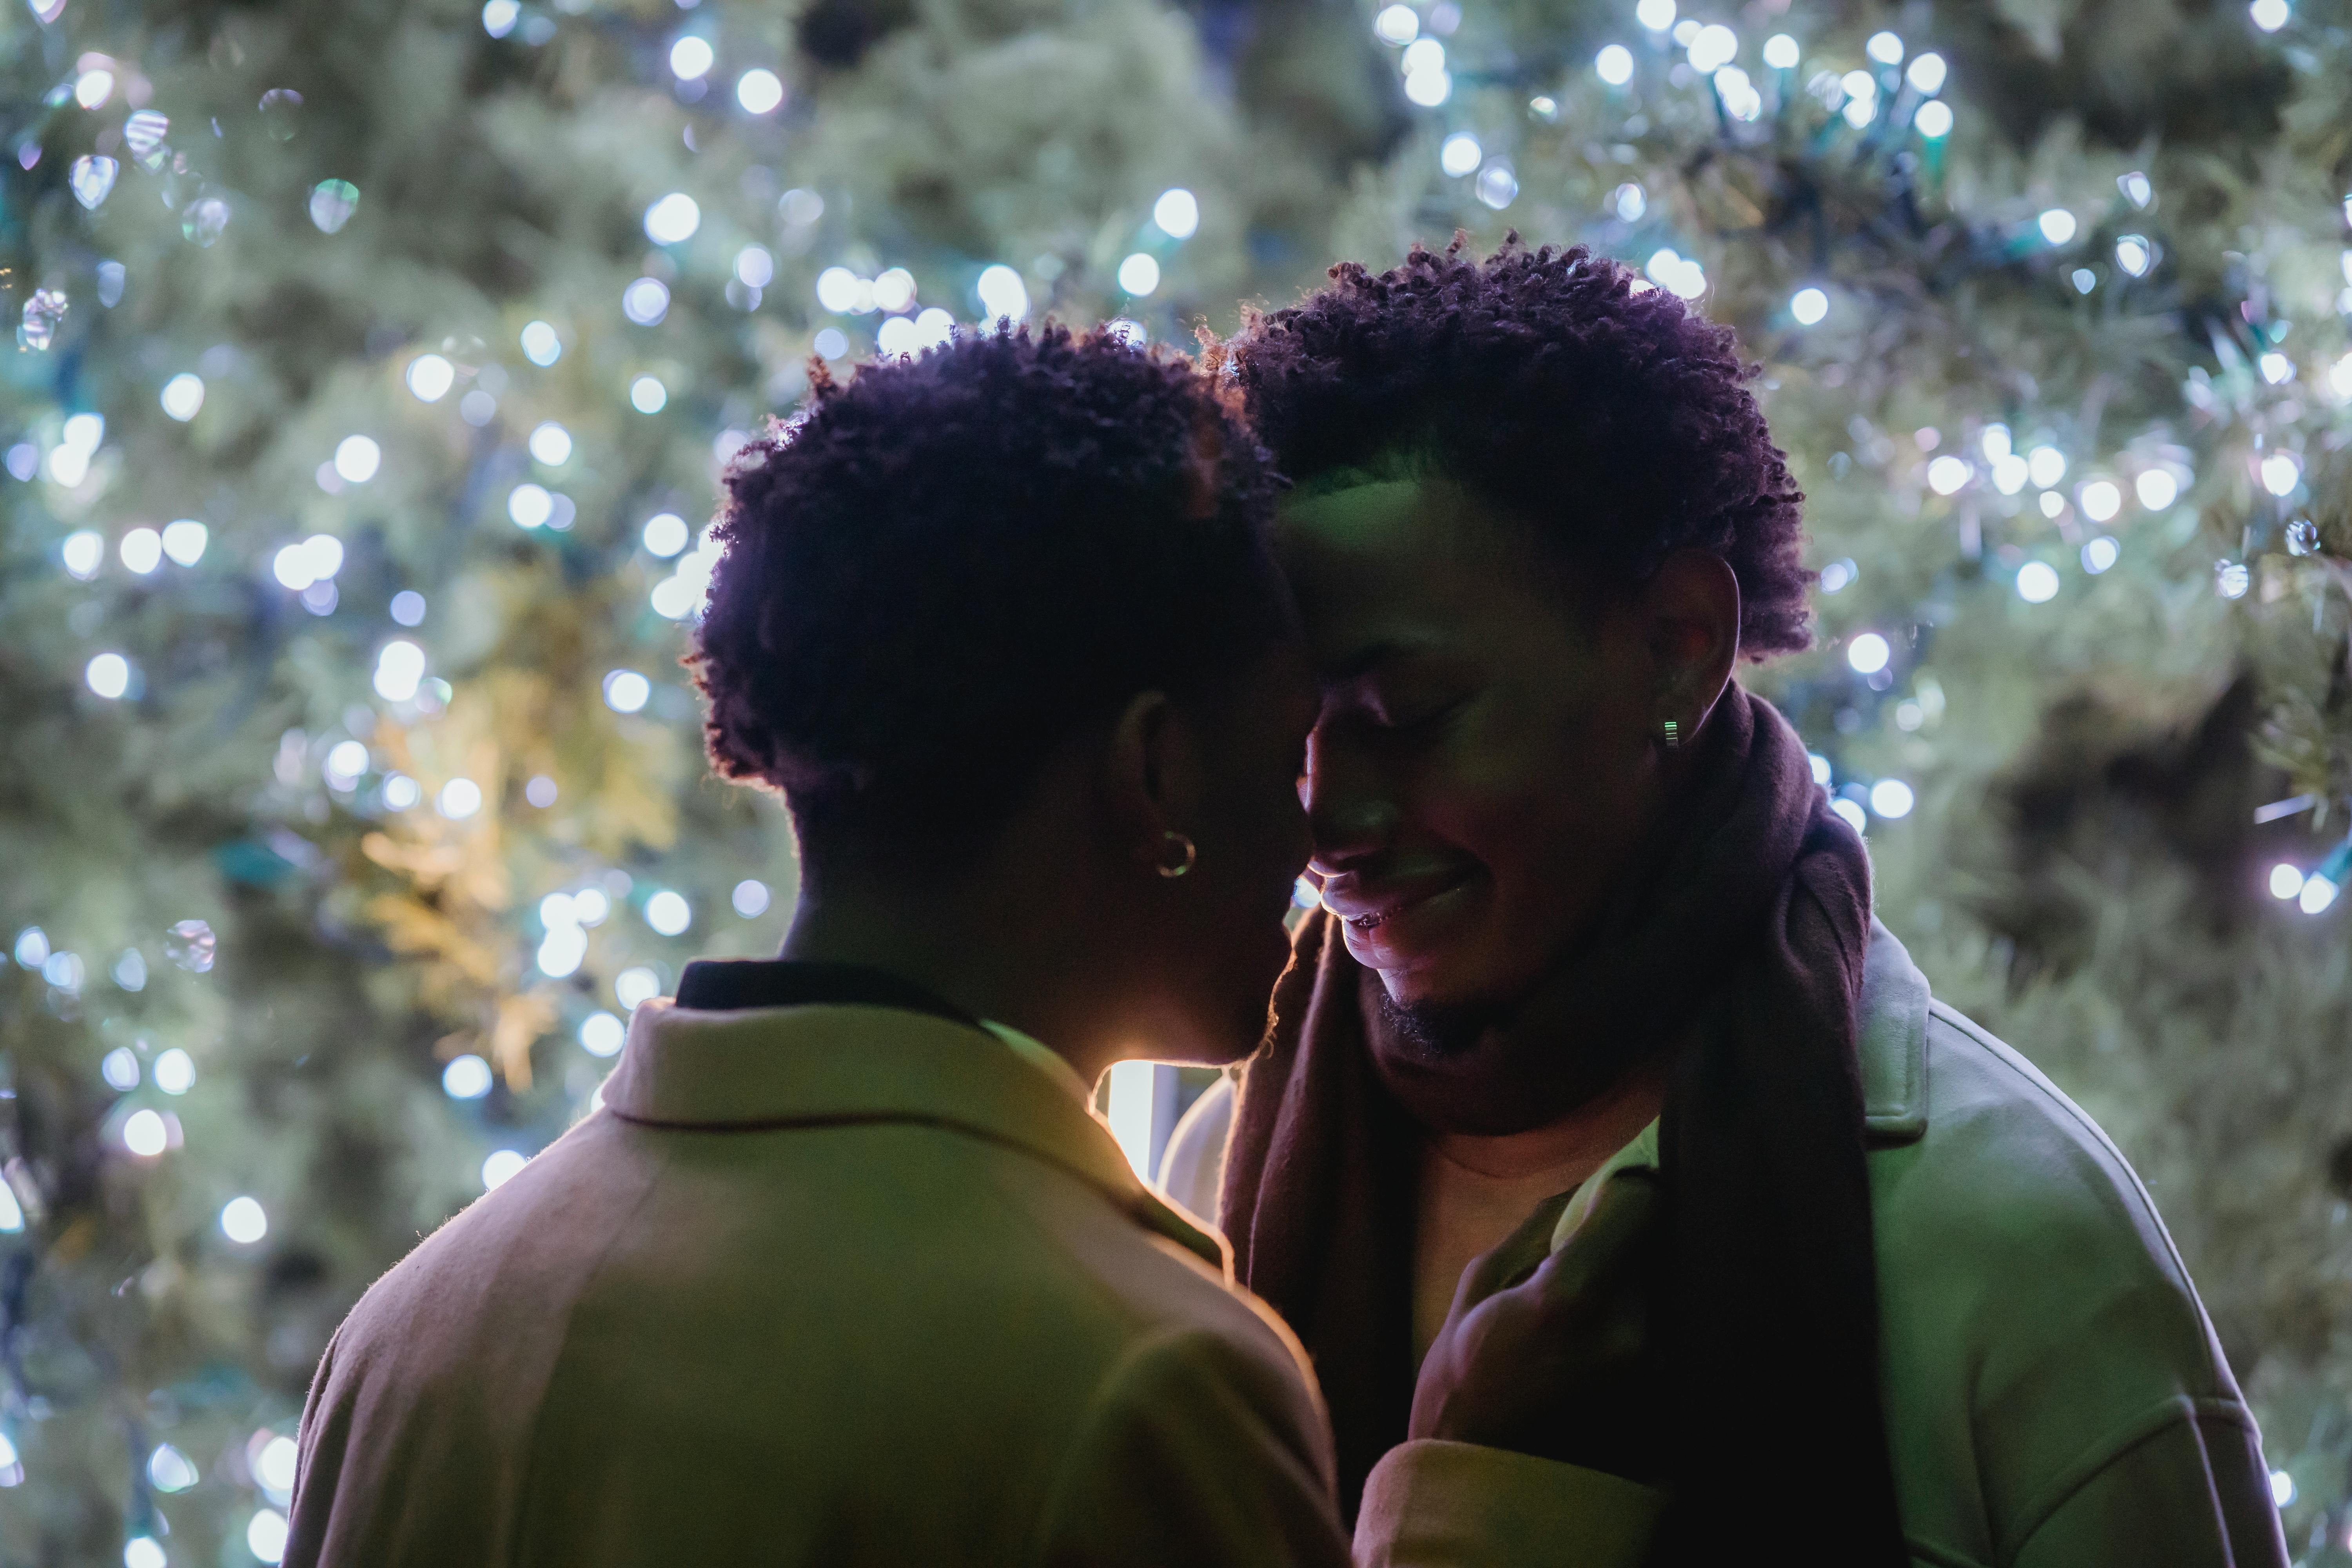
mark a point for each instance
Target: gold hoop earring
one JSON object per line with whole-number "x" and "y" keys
{"x": 1190, "y": 852}
{"x": 1671, "y": 733}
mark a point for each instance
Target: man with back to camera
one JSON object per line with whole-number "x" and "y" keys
{"x": 1768, "y": 1255}
{"x": 843, "y": 1272}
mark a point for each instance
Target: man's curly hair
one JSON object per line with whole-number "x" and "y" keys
{"x": 943, "y": 568}
{"x": 1608, "y": 415}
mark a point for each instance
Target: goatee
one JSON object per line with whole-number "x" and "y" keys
{"x": 1436, "y": 1031}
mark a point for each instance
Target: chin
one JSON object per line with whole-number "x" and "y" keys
{"x": 1460, "y": 977}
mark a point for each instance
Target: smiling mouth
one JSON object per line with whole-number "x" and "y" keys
{"x": 1374, "y": 919}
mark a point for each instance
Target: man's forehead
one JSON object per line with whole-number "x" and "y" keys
{"x": 1383, "y": 569}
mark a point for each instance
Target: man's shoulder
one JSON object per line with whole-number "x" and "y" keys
{"x": 2015, "y": 1223}
{"x": 1150, "y": 1285}
{"x": 2004, "y": 1141}
{"x": 2007, "y": 1159}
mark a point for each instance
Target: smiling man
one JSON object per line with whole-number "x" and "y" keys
{"x": 1766, "y": 1250}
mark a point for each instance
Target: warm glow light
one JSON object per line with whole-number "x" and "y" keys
{"x": 1128, "y": 1111}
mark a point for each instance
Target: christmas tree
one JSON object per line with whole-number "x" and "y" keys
{"x": 375, "y": 365}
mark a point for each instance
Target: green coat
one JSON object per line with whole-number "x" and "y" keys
{"x": 2055, "y": 1397}
{"x": 819, "y": 1284}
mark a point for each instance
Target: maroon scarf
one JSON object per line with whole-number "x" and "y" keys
{"x": 1738, "y": 944}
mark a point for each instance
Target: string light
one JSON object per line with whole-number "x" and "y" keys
{"x": 1178, "y": 211}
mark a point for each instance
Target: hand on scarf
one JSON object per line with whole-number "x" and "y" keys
{"x": 1554, "y": 1362}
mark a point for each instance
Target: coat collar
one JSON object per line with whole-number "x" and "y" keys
{"x": 1893, "y": 1043}
{"x": 764, "y": 1068}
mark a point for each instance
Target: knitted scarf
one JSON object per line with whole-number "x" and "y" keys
{"x": 1737, "y": 945}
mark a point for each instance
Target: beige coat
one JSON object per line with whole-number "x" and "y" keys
{"x": 825, "y": 1285}
{"x": 2054, "y": 1395}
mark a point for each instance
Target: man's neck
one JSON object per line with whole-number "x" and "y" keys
{"x": 956, "y": 944}
{"x": 1576, "y": 1145}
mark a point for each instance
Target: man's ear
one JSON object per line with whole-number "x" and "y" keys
{"x": 1691, "y": 608}
{"x": 1153, "y": 775}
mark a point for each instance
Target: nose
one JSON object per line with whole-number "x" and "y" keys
{"x": 1351, "y": 811}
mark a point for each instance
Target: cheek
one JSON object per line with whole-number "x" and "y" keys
{"x": 1553, "y": 824}
{"x": 1532, "y": 789}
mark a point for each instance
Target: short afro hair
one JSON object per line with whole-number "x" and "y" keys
{"x": 942, "y": 569}
{"x": 1555, "y": 386}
